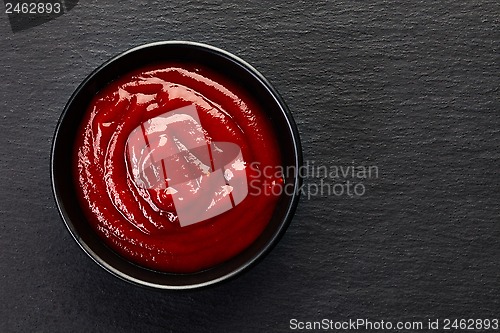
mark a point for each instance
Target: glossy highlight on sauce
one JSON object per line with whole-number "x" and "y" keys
{"x": 166, "y": 166}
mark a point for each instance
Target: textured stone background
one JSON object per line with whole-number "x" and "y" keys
{"x": 411, "y": 87}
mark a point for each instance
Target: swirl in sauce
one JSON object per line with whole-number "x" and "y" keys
{"x": 168, "y": 164}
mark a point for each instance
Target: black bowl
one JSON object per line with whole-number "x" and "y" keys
{"x": 221, "y": 62}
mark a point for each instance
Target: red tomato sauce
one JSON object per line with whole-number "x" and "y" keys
{"x": 167, "y": 167}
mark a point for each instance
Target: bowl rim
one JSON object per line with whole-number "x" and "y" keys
{"x": 287, "y": 216}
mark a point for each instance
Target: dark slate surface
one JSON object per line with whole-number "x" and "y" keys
{"x": 411, "y": 88}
